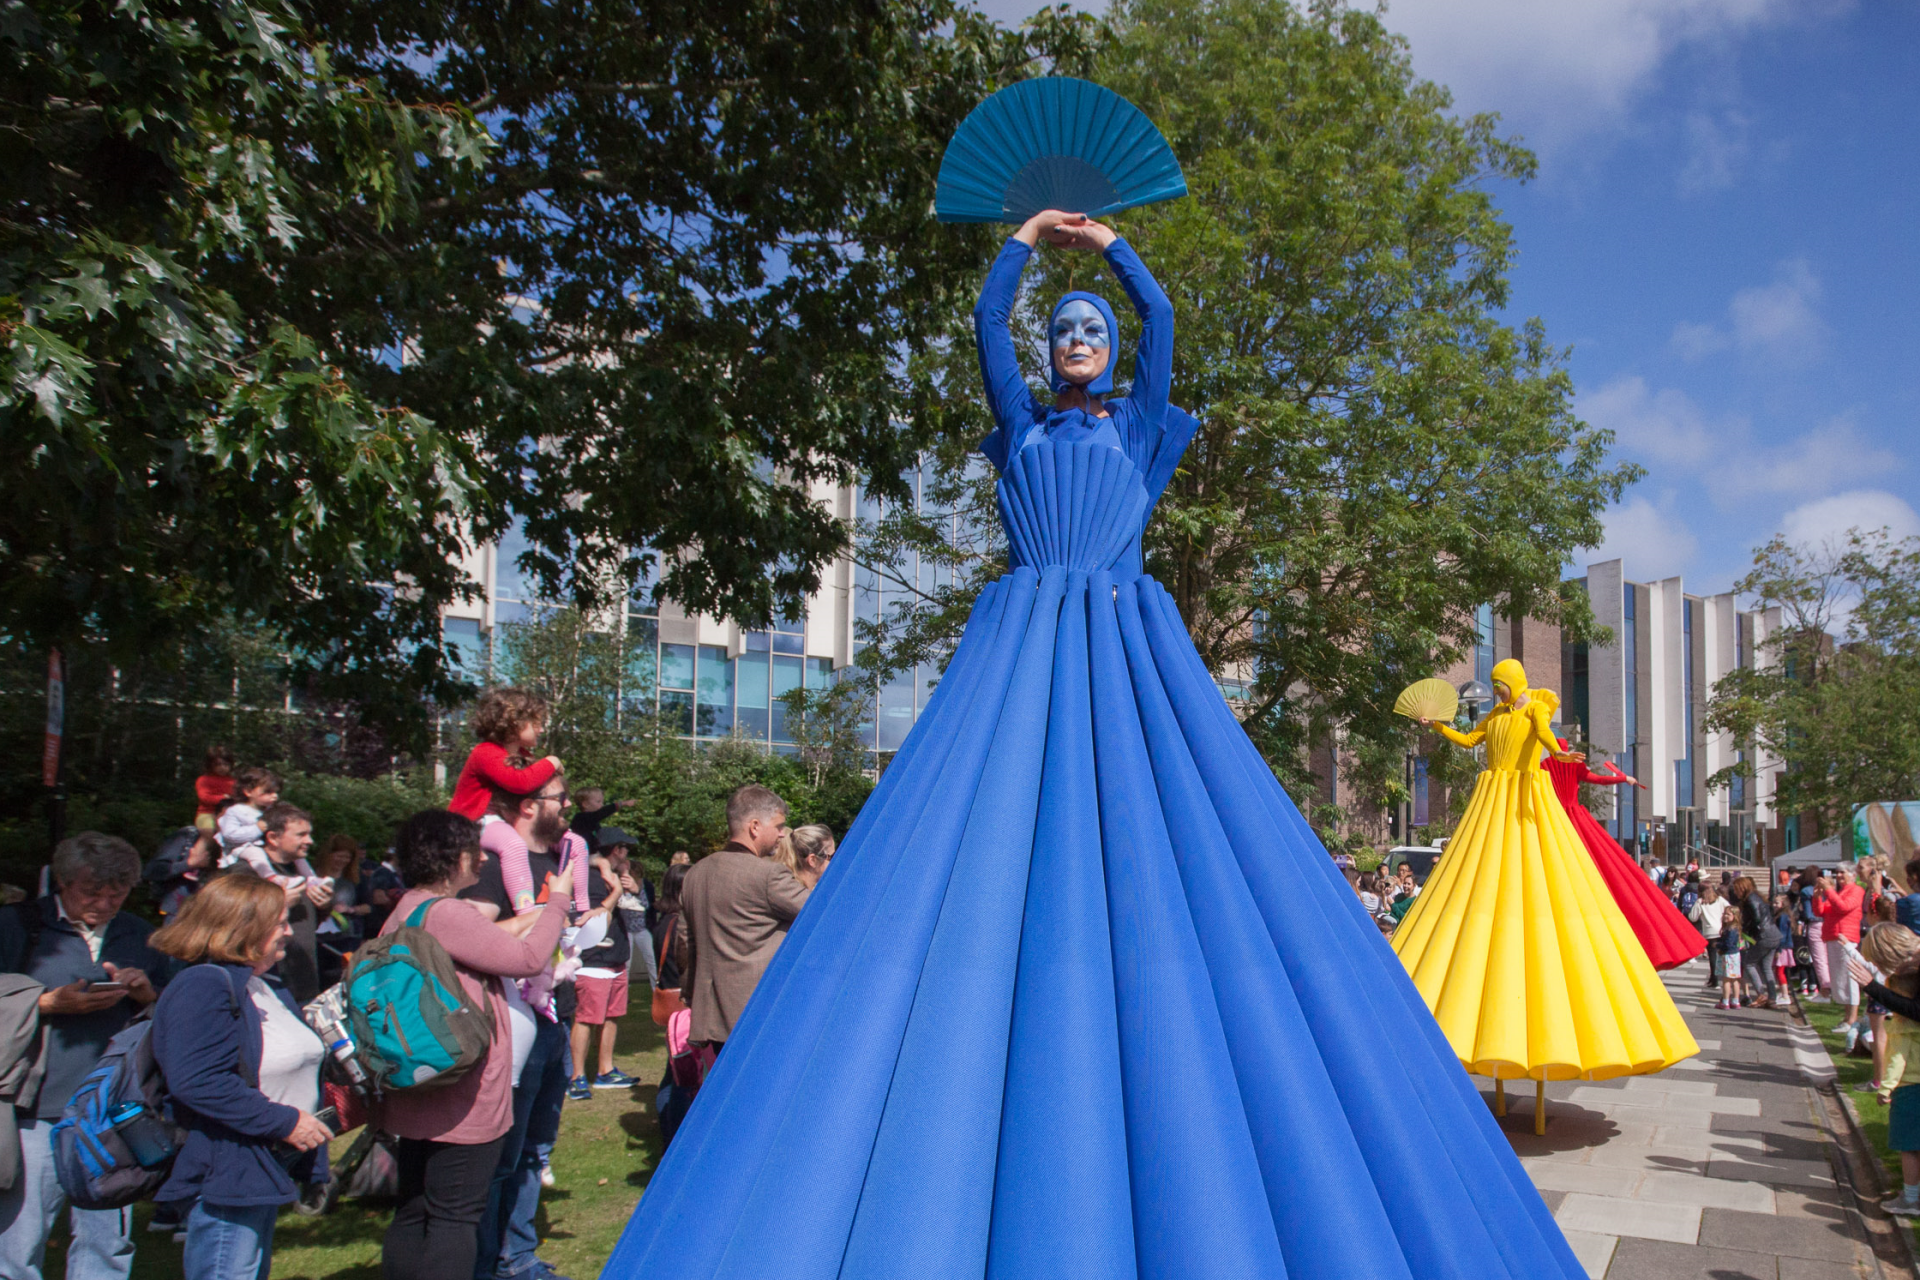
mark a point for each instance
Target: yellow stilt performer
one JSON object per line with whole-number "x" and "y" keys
{"x": 1516, "y": 943}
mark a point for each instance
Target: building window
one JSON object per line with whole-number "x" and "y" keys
{"x": 1483, "y": 644}
{"x": 751, "y": 669}
{"x": 713, "y": 709}
{"x": 676, "y": 687}
{"x": 787, "y": 676}
{"x": 468, "y": 655}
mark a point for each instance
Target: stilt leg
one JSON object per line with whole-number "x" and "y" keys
{"x": 1540, "y": 1106}
{"x": 1499, "y": 1096}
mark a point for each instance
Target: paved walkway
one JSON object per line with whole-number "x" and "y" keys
{"x": 1724, "y": 1167}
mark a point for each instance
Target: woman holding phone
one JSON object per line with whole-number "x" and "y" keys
{"x": 243, "y": 1070}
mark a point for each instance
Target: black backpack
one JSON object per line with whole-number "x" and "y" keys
{"x": 168, "y": 866}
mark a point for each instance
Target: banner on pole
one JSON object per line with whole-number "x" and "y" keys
{"x": 56, "y": 721}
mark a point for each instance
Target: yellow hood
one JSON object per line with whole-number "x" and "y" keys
{"x": 1511, "y": 674}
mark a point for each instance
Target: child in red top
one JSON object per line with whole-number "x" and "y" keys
{"x": 510, "y": 718}
{"x": 213, "y": 786}
{"x": 506, "y": 722}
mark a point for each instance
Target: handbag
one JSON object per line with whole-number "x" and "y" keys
{"x": 666, "y": 1000}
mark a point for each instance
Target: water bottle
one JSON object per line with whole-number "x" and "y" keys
{"x": 341, "y": 1047}
{"x": 146, "y": 1136}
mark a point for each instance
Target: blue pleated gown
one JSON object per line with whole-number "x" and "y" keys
{"x": 1082, "y": 996}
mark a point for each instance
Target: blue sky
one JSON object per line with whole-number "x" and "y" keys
{"x": 1724, "y": 230}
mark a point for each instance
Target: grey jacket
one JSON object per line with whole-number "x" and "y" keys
{"x": 21, "y": 1063}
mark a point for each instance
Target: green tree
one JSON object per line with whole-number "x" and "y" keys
{"x": 1378, "y": 453}
{"x": 179, "y": 446}
{"x": 701, "y": 249}
{"x": 286, "y": 326}
{"x": 1842, "y": 713}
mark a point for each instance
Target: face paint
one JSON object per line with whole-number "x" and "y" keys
{"x": 1079, "y": 322}
{"x": 1081, "y": 336}
{"x": 1080, "y": 341}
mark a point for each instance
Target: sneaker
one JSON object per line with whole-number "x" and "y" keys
{"x": 166, "y": 1220}
{"x": 1900, "y": 1207}
{"x": 546, "y": 1171}
{"x": 1867, "y": 1086}
{"x": 614, "y": 1079}
{"x": 580, "y": 1090}
{"x": 540, "y": 1270}
{"x": 1851, "y": 1030}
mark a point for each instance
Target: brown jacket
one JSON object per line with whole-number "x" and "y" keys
{"x": 737, "y": 908}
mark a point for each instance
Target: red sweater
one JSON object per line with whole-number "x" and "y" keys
{"x": 489, "y": 767}
{"x": 209, "y": 789}
{"x": 1839, "y": 909}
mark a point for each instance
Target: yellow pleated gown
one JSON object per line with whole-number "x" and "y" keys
{"x": 1515, "y": 942}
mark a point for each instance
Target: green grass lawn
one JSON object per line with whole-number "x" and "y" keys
{"x": 607, "y": 1150}
{"x": 1824, "y": 1017}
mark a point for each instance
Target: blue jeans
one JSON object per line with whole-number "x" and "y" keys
{"x": 229, "y": 1242}
{"x": 102, "y": 1247}
{"x": 507, "y": 1236}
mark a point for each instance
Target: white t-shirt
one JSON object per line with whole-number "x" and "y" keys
{"x": 1710, "y": 915}
{"x": 290, "y": 1053}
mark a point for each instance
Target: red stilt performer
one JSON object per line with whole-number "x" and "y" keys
{"x": 1662, "y": 930}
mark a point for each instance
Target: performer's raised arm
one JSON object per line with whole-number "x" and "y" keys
{"x": 1153, "y": 364}
{"x": 1614, "y": 779}
{"x": 1008, "y": 396}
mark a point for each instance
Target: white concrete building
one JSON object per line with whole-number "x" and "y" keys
{"x": 1643, "y": 699}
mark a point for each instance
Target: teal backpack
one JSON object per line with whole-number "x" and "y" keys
{"x": 413, "y": 1024}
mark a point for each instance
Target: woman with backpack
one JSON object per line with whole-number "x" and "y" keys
{"x": 243, "y": 1071}
{"x": 450, "y": 1133}
{"x": 1757, "y": 922}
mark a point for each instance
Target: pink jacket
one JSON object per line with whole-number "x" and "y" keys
{"x": 478, "y": 1107}
{"x": 1839, "y": 911}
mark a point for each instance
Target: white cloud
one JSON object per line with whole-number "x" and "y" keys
{"x": 1697, "y": 341}
{"x": 1825, "y": 520}
{"x": 1663, "y": 429}
{"x": 1559, "y": 70}
{"x": 1717, "y": 146}
{"x": 1777, "y": 321}
{"x": 1652, "y": 538}
{"x": 1675, "y": 439}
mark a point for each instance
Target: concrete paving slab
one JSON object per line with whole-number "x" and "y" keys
{"x": 1555, "y": 1176}
{"x": 1687, "y": 1159}
{"x": 1593, "y": 1251}
{"x": 1827, "y": 1204}
{"x": 1778, "y": 1173}
{"x": 1612, "y": 1216}
{"x": 1714, "y": 1193}
{"x": 1652, "y": 1260}
{"x": 1803, "y": 1269}
{"x": 1664, "y": 1083}
{"x": 1772, "y": 1234}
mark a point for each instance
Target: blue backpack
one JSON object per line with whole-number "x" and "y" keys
{"x": 115, "y": 1140}
{"x": 413, "y": 1024}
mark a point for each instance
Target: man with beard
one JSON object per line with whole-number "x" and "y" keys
{"x": 507, "y": 1234}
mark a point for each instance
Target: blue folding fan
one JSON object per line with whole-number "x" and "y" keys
{"x": 1054, "y": 143}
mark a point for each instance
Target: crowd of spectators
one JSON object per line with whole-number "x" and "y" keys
{"x": 258, "y": 922}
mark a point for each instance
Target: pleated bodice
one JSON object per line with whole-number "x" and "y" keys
{"x": 1513, "y": 743}
{"x": 1076, "y": 501}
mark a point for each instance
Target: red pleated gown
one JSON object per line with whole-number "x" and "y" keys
{"x": 1662, "y": 930}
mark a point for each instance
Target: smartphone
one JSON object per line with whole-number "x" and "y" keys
{"x": 329, "y": 1117}
{"x": 94, "y": 988}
